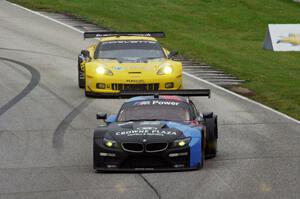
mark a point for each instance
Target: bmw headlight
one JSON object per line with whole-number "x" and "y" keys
{"x": 165, "y": 69}
{"x": 110, "y": 143}
{"x": 102, "y": 70}
{"x": 181, "y": 142}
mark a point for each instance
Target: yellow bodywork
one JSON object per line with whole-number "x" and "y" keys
{"x": 127, "y": 74}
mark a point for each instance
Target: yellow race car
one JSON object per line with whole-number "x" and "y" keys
{"x": 127, "y": 61}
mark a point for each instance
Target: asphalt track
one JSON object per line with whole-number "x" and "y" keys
{"x": 46, "y": 127}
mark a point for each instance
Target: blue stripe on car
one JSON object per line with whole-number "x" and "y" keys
{"x": 195, "y": 152}
{"x": 195, "y": 144}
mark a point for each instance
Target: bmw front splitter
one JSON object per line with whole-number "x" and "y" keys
{"x": 145, "y": 170}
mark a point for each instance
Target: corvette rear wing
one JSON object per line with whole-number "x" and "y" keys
{"x": 89, "y": 35}
{"x": 182, "y": 92}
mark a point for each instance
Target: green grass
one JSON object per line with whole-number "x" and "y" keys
{"x": 227, "y": 34}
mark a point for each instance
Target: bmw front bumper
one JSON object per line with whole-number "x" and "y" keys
{"x": 171, "y": 159}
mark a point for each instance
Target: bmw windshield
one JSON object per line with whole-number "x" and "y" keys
{"x": 129, "y": 50}
{"x": 154, "y": 110}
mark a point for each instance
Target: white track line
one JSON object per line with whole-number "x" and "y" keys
{"x": 49, "y": 18}
{"x": 185, "y": 73}
{"x": 242, "y": 97}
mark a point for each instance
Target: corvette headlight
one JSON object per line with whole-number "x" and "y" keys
{"x": 102, "y": 70}
{"x": 110, "y": 143}
{"x": 165, "y": 69}
{"x": 181, "y": 142}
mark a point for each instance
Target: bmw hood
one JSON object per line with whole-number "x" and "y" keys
{"x": 147, "y": 131}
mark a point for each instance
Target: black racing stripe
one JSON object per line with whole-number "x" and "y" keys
{"x": 35, "y": 79}
{"x": 151, "y": 186}
{"x": 60, "y": 130}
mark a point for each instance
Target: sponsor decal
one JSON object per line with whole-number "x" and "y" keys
{"x": 128, "y": 41}
{"x": 172, "y": 103}
{"x": 150, "y": 123}
{"x": 156, "y": 102}
{"x": 146, "y": 128}
{"x": 134, "y": 81}
{"x": 117, "y": 67}
{"x": 147, "y": 132}
{"x": 136, "y": 67}
{"x": 143, "y": 169}
{"x": 141, "y": 103}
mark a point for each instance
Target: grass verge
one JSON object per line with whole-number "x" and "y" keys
{"x": 227, "y": 34}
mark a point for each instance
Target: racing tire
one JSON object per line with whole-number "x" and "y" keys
{"x": 211, "y": 137}
{"x": 202, "y": 157}
{"x": 81, "y": 82}
{"x": 99, "y": 171}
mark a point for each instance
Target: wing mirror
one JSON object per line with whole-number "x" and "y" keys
{"x": 111, "y": 119}
{"x": 208, "y": 115}
{"x": 172, "y": 54}
{"x": 199, "y": 119}
{"x": 101, "y": 116}
{"x": 86, "y": 53}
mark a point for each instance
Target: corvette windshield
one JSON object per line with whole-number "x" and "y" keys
{"x": 130, "y": 50}
{"x": 154, "y": 112}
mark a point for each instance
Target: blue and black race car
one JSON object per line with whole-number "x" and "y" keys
{"x": 161, "y": 131}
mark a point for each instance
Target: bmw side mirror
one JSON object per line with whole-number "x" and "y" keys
{"x": 101, "y": 116}
{"x": 208, "y": 115}
{"x": 86, "y": 54}
{"x": 199, "y": 119}
{"x": 172, "y": 54}
{"x": 111, "y": 119}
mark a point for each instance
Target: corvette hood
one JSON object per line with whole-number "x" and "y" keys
{"x": 132, "y": 68}
{"x": 147, "y": 131}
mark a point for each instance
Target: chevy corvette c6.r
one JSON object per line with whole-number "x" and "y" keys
{"x": 157, "y": 132}
{"x": 127, "y": 61}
